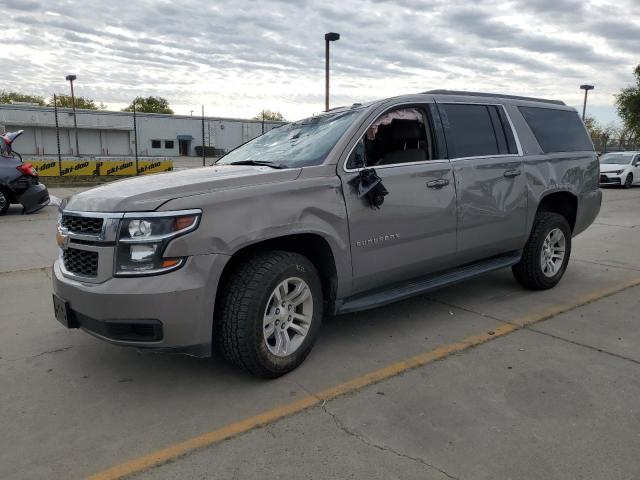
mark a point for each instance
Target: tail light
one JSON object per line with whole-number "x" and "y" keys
{"x": 27, "y": 169}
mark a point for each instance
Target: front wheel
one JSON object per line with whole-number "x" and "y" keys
{"x": 628, "y": 182}
{"x": 546, "y": 254}
{"x": 269, "y": 313}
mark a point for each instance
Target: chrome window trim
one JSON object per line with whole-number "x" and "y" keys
{"x": 439, "y": 160}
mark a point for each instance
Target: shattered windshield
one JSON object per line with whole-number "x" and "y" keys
{"x": 297, "y": 144}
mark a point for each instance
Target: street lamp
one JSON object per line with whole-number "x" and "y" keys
{"x": 586, "y": 89}
{"x": 71, "y": 78}
{"x": 328, "y": 37}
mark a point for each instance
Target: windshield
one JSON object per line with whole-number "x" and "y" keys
{"x": 297, "y": 144}
{"x": 617, "y": 158}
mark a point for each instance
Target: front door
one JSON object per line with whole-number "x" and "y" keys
{"x": 414, "y": 231}
{"x": 184, "y": 147}
{"x": 490, "y": 180}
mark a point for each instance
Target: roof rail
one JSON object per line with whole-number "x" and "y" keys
{"x": 494, "y": 95}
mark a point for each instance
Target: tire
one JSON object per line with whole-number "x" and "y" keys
{"x": 249, "y": 297}
{"x": 628, "y": 182}
{"x": 529, "y": 270}
{"x": 5, "y": 201}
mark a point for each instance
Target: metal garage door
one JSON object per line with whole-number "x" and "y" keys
{"x": 50, "y": 143}
{"x": 116, "y": 142}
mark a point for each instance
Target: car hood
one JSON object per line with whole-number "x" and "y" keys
{"x": 148, "y": 192}
{"x": 611, "y": 167}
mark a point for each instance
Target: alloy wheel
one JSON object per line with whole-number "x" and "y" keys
{"x": 553, "y": 252}
{"x": 288, "y": 316}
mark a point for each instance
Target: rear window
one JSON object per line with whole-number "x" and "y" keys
{"x": 557, "y": 130}
{"x": 474, "y": 130}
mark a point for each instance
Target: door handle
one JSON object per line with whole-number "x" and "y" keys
{"x": 512, "y": 173}
{"x": 441, "y": 182}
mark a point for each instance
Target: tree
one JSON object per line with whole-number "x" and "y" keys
{"x": 149, "y": 105}
{"x": 628, "y": 104}
{"x": 271, "y": 115}
{"x": 11, "y": 97}
{"x": 82, "y": 103}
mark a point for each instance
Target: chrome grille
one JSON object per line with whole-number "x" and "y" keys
{"x": 81, "y": 262}
{"x": 83, "y": 225}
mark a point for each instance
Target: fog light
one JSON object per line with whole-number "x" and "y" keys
{"x": 142, "y": 253}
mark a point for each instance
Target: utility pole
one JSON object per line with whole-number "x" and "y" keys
{"x": 586, "y": 89}
{"x": 328, "y": 37}
{"x": 71, "y": 78}
{"x": 203, "y": 155}
{"x": 55, "y": 114}
{"x": 135, "y": 135}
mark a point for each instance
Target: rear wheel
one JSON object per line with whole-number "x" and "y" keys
{"x": 269, "y": 313}
{"x": 546, "y": 254}
{"x": 5, "y": 201}
{"x": 628, "y": 182}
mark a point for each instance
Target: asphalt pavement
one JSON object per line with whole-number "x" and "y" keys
{"x": 483, "y": 380}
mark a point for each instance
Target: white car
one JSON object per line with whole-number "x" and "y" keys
{"x": 620, "y": 168}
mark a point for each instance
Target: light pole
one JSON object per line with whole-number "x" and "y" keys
{"x": 586, "y": 89}
{"x": 328, "y": 37}
{"x": 71, "y": 78}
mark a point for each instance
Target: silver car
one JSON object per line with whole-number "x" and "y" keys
{"x": 349, "y": 210}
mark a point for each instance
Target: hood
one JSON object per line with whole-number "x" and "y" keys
{"x": 611, "y": 167}
{"x": 148, "y": 192}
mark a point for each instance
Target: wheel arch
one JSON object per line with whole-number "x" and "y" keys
{"x": 313, "y": 246}
{"x": 562, "y": 202}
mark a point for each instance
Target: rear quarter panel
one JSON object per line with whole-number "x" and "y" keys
{"x": 573, "y": 172}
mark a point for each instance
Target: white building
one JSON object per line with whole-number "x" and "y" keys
{"x": 104, "y": 133}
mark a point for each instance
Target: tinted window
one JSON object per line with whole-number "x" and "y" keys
{"x": 468, "y": 130}
{"x": 557, "y": 130}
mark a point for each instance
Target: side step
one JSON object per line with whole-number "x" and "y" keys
{"x": 394, "y": 293}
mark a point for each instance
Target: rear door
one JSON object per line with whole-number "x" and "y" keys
{"x": 490, "y": 184}
{"x": 414, "y": 231}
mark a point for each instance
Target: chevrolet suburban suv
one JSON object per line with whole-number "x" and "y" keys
{"x": 345, "y": 211}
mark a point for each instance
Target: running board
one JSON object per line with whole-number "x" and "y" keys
{"x": 394, "y": 293}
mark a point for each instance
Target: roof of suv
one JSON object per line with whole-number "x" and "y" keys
{"x": 492, "y": 95}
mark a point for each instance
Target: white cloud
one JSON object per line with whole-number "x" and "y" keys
{"x": 240, "y": 57}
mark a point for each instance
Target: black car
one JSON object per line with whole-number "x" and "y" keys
{"x": 19, "y": 181}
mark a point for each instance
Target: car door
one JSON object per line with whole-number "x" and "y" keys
{"x": 636, "y": 169}
{"x": 490, "y": 182}
{"x": 414, "y": 231}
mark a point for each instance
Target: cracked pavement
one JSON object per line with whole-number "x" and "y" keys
{"x": 557, "y": 399}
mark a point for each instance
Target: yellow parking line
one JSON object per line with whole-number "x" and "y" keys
{"x": 176, "y": 450}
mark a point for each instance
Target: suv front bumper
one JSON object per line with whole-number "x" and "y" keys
{"x": 172, "y": 312}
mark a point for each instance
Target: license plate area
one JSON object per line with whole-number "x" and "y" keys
{"x": 63, "y": 313}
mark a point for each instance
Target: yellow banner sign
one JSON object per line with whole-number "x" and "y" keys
{"x": 90, "y": 167}
{"x": 45, "y": 168}
{"x": 117, "y": 167}
{"x": 154, "y": 166}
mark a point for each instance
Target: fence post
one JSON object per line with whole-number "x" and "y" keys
{"x": 135, "y": 135}
{"x": 55, "y": 114}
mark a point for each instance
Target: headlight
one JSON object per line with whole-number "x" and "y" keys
{"x": 143, "y": 238}
{"x": 618, "y": 172}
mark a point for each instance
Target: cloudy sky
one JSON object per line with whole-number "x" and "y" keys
{"x": 238, "y": 57}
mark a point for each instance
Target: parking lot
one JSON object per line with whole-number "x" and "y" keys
{"x": 483, "y": 380}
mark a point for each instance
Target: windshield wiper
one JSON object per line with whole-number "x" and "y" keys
{"x": 259, "y": 163}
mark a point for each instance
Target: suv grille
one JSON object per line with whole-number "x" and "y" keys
{"x": 83, "y": 225}
{"x": 81, "y": 262}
